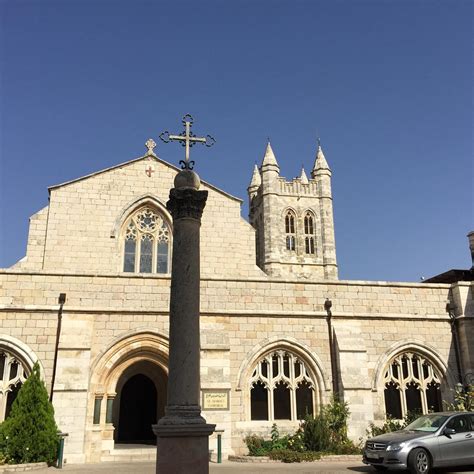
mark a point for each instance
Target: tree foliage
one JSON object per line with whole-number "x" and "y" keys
{"x": 463, "y": 399}
{"x": 30, "y": 433}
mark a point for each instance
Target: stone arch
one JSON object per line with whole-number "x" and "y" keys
{"x": 133, "y": 205}
{"x": 420, "y": 347}
{"x": 124, "y": 351}
{"x": 287, "y": 209}
{"x": 292, "y": 345}
{"x": 315, "y": 235}
{"x": 119, "y": 232}
{"x": 22, "y": 351}
{"x": 267, "y": 345}
{"x": 142, "y": 351}
{"x": 17, "y": 362}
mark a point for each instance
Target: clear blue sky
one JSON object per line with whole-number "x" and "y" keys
{"x": 386, "y": 84}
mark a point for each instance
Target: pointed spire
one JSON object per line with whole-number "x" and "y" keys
{"x": 303, "y": 177}
{"x": 269, "y": 158}
{"x": 256, "y": 178}
{"x": 320, "y": 162}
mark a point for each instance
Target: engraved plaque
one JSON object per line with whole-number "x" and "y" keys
{"x": 217, "y": 399}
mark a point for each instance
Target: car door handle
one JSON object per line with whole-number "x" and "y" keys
{"x": 469, "y": 435}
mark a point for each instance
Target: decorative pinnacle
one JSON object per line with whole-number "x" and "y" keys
{"x": 150, "y": 144}
{"x": 187, "y": 139}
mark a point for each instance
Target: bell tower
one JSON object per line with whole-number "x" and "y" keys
{"x": 293, "y": 220}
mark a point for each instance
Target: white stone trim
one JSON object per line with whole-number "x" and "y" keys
{"x": 126, "y": 349}
{"x": 410, "y": 345}
{"x": 293, "y": 345}
{"x": 16, "y": 352}
{"x": 22, "y": 351}
{"x": 133, "y": 205}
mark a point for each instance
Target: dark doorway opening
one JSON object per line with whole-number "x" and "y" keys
{"x": 138, "y": 403}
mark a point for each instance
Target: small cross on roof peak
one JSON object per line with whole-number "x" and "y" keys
{"x": 150, "y": 144}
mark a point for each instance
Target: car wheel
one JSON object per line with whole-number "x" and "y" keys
{"x": 419, "y": 461}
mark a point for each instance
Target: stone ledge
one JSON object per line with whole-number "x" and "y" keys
{"x": 22, "y": 467}
{"x": 342, "y": 457}
{"x": 266, "y": 459}
{"x": 251, "y": 459}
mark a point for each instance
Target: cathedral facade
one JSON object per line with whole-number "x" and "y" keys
{"x": 280, "y": 333}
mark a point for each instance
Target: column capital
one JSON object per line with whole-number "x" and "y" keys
{"x": 186, "y": 203}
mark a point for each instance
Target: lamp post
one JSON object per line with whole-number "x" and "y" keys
{"x": 334, "y": 377}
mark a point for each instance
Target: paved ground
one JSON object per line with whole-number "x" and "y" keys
{"x": 229, "y": 468}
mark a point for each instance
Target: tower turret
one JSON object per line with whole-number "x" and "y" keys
{"x": 320, "y": 166}
{"x": 254, "y": 183}
{"x": 270, "y": 169}
{"x": 303, "y": 177}
{"x": 321, "y": 173}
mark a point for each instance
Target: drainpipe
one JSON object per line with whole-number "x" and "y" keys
{"x": 61, "y": 301}
{"x": 450, "y": 309}
{"x": 334, "y": 378}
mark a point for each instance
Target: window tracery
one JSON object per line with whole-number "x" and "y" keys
{"x": 12, "y": 376}
{"x": 411, "y": 384}
{"x": 147, "y": 241}
{"x": 281, "y": 388}
{"x": 309, "y": 233}
{"x": 290, "y": 231}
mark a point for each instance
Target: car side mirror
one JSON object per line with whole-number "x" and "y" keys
{"x": 449, "y": 431}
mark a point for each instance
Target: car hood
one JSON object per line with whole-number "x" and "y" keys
{"x": 399, "y": 436}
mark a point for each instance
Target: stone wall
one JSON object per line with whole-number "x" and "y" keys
{"x": 241, "y": 320}
{"x": 80, "y": 231}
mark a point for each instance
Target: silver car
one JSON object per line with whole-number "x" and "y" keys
{"x": 435, "y": 440}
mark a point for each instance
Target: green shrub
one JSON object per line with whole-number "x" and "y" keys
{"x": 410, "y": 417}
{"x": 390, "y": 425}
{"x": 463, "y": 399}
{"x": 316, "y": 433}
{"x": 327, "y": 432}
{"x": 296, "y": 441}
{"x": 257, "y": 446}
{"x": 346, "y": 447}
{"x": 277, "y": 441}
{"x": 30, "y": 433}
{"x": 288, "y": 455}
{"x": 336, "y": 414}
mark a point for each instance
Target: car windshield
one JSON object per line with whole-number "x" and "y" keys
{"x": 427, "y": 423}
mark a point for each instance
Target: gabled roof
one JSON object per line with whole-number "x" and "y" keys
{"x": 127, "y": 163}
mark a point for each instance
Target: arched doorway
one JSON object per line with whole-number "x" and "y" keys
{"x": 141, "y": 353}
{"x": 140, "y": 402}
{"x": 137, "y": 411}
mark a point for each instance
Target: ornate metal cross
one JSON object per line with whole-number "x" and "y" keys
{"x": 187, "y": 139}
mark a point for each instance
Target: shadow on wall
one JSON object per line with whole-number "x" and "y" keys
{"x": 339, "y": 386}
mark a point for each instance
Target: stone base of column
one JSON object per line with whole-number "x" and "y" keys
{"x": 183, "y": 449}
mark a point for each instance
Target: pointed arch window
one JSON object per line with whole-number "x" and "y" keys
{"x": 309, "y": 233}
{"x": 281, "y": 388}
{"x": 147, "y": 242}
{"x": 290, "y": 231}
{"x": 12, "y": 376}
{"x": 411, "y": 384}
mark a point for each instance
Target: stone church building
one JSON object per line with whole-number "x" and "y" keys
{"x": 104, "y": 241}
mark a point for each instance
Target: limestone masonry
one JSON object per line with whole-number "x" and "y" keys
{"x": 106, "y": 241}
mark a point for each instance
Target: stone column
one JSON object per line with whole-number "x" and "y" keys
{"x": 183, "y": 434}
